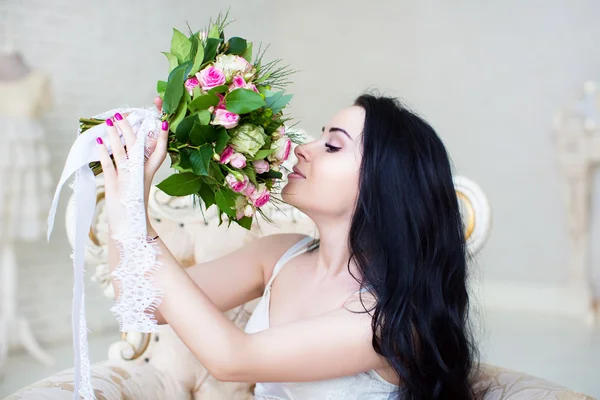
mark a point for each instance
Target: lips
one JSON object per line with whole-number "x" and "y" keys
{"x": 297, "y": 171}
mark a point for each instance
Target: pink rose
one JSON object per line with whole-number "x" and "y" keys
{"x": 234, "y": 184}
{"x": 190, "y": 84}
{"x": 221, "y": 105}
{"x": 238, "y": 161}
{"x": 238, "y": 82}
{"x": 249, "y": 191}
{"x": 210, "y": 77}
{"x": 283, "y": 146}
{"x": 226, "y": 155}
{"x": 247, "y": 67}
{"x": 260, "y": 166}
{"x": 260, "y": 197}
{"x": 252, "y": 86}
{"x": 225, "y": 118}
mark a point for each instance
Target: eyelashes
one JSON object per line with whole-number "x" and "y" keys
{"x": 331, "y": 149}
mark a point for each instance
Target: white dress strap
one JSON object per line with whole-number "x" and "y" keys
{"x": 292, "y": 252}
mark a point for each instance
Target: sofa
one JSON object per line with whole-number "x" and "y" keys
{"x": 158, "y": 366}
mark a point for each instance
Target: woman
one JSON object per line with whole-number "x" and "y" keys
{"x": 375, "y": 309}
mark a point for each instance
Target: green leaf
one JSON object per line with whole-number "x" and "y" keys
{"x": 204, "y": 102}
{"x": 201, "y": 134}
{"x": 272, "y": 126}
{"x": 179, "y": 115}
{"x": 181, "y": 184}
{"x": 180, "y": 46}
{"x": 215, "y": 172}
{"x": 222, "y": 140}
{"x": 188, "y": 68}
{"x": 264, "y": 90}
{"x": 200, "y": 160}
{"x": 194, "y": 39}
{"x": 267, "y": 144}
{"x": 207, "y": 195}
{"x": 263, "y": 153}
{"x": 214, "y": 32}
{"x": 183, "y": 162}
{"x": 249, "y": 171}
{"x": 243, "y": 101}
{"x": 248, "y": 53}
{"x": 204, "y": 117}
{"x": 198, "y": 58}
{"x": 271, "y": 175}
{"x": 210, "y": 50}
{"x": 174, "y": 89}
{"x": 225, "y": 202}
{"x": 263, "y": 78}
{"x": 245, "y": 222}
{"x": 237, "y": 46}
{"x": 182, "y": 133}
{"x": 173, "y": 63}
{"x": 197, "y": 92}
{"x": 278, "y": 101}
{"x": 161, "y": 86}
{"x": 219, "y": 89}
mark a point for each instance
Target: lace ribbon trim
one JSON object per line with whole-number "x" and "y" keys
{"x": 83, "y": 370}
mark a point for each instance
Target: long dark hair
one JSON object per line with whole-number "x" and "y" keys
{"x": 407, "y": 239}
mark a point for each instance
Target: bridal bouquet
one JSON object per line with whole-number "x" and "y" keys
{"x": 226, "y": 141}
{"x": 227, "y": 137}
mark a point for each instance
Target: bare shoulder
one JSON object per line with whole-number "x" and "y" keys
{"x": 272, "y": 247}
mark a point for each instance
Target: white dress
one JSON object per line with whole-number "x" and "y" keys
{"x": 364, "y": 386}
{"x": 25, "y": 181}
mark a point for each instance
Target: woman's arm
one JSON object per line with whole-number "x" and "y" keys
{"x": 335, "y": 344}
{"x": 231, "y": 280}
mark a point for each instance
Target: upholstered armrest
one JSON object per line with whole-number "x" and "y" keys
{"x": 115, "y": 379}
{"x": 502, "y": 383}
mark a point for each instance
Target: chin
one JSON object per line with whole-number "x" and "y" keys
{"x": 290, "y": 196}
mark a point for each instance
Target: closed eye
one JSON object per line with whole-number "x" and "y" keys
{"x": 331, "y": 149}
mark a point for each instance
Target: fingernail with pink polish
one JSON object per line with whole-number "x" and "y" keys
{"x": 165, "y": 125}
{"x": 99, "y": 140}
{"x": 118, "y": 117}
{"x": 109, "y": 122}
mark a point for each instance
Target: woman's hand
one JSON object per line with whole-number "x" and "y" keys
{"x": 113, "y": 177}
{"x": 159, "y": 153}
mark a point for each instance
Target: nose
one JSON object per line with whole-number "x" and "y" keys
{"x": 301, "y": 152}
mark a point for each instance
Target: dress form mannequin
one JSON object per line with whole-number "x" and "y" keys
{"x": 25, "y": 188}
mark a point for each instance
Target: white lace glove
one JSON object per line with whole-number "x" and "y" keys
{"x": 126, "y": 213}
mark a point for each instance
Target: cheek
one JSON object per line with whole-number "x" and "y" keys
{"x": 336, "y": 180}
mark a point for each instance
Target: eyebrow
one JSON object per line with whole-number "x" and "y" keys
{"x": 335, "y": 129}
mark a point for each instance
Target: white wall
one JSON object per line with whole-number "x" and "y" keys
{"x": 488, "y": 75}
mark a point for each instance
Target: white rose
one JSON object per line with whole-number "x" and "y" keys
{"x": 231, "y": 64}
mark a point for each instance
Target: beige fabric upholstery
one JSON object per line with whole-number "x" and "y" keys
{"x": 168, "y": 371}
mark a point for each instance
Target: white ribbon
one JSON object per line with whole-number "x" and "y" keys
{"x": 83, "y": 152}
